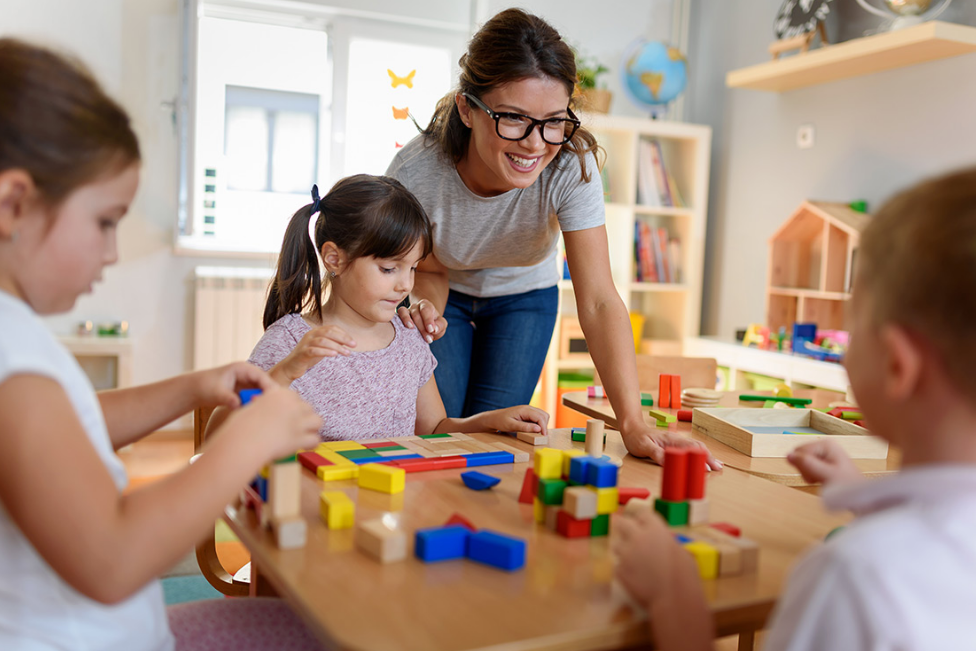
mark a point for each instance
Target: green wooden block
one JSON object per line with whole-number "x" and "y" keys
{"x": 435, "y": 436}
{"x": 674, "y": 513}
{"x": 580, "y": 437}
{"x": 852, "y": 415}
{"x": 647, "y": 400}
{"x": 661, "y": 416}
{"x": 662, "y": 423}
{"x": 293, "y": 457}
{"x": 600, "y": 526}
{"x": 769, "y": 404}
{"x": 551, "y": 491}
{"x": 358, "y": 454}
{"x": 388, "y": 448}
{"x": 798, "y": 402}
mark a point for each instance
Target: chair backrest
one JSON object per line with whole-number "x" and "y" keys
{"x": 694, "y": 371}
{"x": 201, "y": 416}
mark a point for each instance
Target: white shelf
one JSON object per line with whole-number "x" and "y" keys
{"x": 661, "y": 211}
{"x": 861, "y": 56}
{"x": 791, "y": 368}
{"x": 658, "y": 287}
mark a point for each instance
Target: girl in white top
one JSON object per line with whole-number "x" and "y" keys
{"x": 80, "y": 557}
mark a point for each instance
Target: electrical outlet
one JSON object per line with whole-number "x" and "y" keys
{"x": 804, "y": 136}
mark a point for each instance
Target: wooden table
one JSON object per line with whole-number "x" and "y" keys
{"x": 777, "y": 470}
{"x": 564, "y": 598}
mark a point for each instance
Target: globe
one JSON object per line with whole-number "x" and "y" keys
{"x": 908, "y": 7}
{"x": 654, "y": 73}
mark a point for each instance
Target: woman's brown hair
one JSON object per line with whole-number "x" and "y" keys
{"x": 57, "y": 123}
{"x": 364, "y": 216}
{"x": 513, "y": 45}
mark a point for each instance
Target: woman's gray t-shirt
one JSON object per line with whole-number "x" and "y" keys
{"x": 496, "y": 246}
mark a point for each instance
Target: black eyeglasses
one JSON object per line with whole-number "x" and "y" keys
{"x": 515, "y": 126}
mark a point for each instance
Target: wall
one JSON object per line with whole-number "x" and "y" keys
{"x": 874, "y": 134}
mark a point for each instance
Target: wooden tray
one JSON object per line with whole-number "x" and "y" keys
{"x": 759, "y": 432}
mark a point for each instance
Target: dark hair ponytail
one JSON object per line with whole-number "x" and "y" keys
{"x": 513, "y": 45}
{"x": 364, "y": 216}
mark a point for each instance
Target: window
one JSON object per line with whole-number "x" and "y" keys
{"x": 261, "y": 125}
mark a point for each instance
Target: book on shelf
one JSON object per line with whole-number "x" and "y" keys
{"x": 656, "y": 186}
{"x": 657, "y": 255}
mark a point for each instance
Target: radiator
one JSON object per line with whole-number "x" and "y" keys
{"x": 229, "y": 306}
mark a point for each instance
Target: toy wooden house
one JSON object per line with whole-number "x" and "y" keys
{"x": 811, "y": 266}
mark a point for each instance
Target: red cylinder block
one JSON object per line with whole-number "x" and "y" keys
{"x": 697, "y": 467}
{"x": 674, "y": 481}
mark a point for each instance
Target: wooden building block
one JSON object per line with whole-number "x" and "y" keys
{"x": 625, "y": 494}
{"x": 697, "y": 469}
{"x": 664, "y": 391}
{"x": 521, "y": 456}
{"x": 457, "y": 518}
{"x": 551, "y": 491}
{"x": 580, "y": 502}
{"x": 568, "y": 456}
{"x": 706, "y": 557}
{"x": 635, "y": 506}
{"x": 441, "y": 543}
{"x": 529, "y": 487}
{"x": 338, "y": 473}
{"x": 284, "y": 490}
{"x": 697, "y": 511}
{"x": 548, "y": 463}
{"x": 674, "y": 513}
{"x": 662, "y": 417}
{"x": 728, "y": 528}
{"x": 552, "y": 515}
{"x": 607, "y": 499}
{"x": 290, "y": 532}
{"x": 337, "y": 446}
{"x": 749, "y": 549}
{"x": 600, "y": 525}
{"x": 594, "y": 437}
{"x": 312, "y": 460}
{"x": 382, "y": 478}
{"x": 337, "y": 510}
{"x": 379, "y": 540}
{"x": 674, "y": 479}
{"x": 497, "y": 550}
{"x": 538, "y": 510}
{"x": 533, "y": 438}
{"x": 567, "y": 525}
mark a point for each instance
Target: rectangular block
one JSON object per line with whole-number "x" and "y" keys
{"x": 489, "y": 458}
{"x": 284, "y": 490}
{"x": 290, "y": 532}
{"x": 570, "y": 527}
{"x": 579, "y": 469}
{"x": 353, "y": 455}
{"x": 625, "y": 494}
{"x": 664, "y": 390}
{"x": 312, "y": 460}
{"x": 373, "y": 445}
{"x": 706, "y": 557}
{"x": 662, "y": 417}
{"x": 441, "y": 543}
{"x": 392, "y": 457}
{"x": 428, "y": 437}
{"x": 568, "y": 456}
{"x": 520, "y": 456}
{"x": 497, "y": 550}
{"x": 551, "y": 491}
{"x": 337, "y": 473}
{"x": 607, "y": 499}
{"x": 601, "y": 473}
{"x": 580, "y": 502}
{"x": 674, "y": 513}
{"x": 382, "y": 478}
{"x": 533, "y": 438}
{"x": 337, "y": 510}
{"x": 337, "y": 446}
{"x": 548, "y": 463}
{"x": 697, "y": 511}
{"x": 374, "y": 538}
{"x": 530, "y": 486}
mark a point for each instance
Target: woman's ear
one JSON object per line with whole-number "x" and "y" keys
{"x": 904, "y": 358}
{"x": 16, "y": 192}
{"x": 463, "y": 109}
{"x": 334, "y": 258}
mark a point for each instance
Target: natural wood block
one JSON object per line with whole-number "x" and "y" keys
{"x": 533, "y": 438}
{"x": 521, "y": 456}
{"x": 580, "y": 502}
{"x": 748, "y": 549}
{"x": 384, "y": 543}
{"x": 290, "y": 532}
{"x": 758, "y": 432}
{"x": 284, "y": 490}
{"x": 697, "y": 511}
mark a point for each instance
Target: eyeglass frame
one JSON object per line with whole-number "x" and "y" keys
{"x": 572, "y": 119}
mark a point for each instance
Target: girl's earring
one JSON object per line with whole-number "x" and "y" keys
{"x": 331, "y": 274}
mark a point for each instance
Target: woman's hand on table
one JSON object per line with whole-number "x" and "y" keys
{"x": 423, "y": 316}
{"x": 644, "y": 442}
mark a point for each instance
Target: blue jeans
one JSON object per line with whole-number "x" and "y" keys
{"x": 492, "y": 353}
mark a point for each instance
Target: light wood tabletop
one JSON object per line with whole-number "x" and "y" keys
{"x": 564, "y": 598}
{"x": 778, "y": 470}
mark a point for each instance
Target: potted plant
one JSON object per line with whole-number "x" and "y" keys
{"x": 592, "y": 98}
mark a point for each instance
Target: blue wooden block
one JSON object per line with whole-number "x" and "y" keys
{"x": 441, "y": 543}
{"x": 489, "y": 458}
{"x": 579, "y": 469}
{"x": 497, "y": 550}
{"x": 601, "y": 473}
{"x": 381, "y": 459}
{"x": 261, "y": 486}
{"x": 246, "y": 395}
{"x": 682, "y": 539}
{"x": 478, "y": 481}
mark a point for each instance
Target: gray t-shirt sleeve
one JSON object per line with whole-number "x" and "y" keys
{"x": 578, "y": 204}
{"x": 276, "y": 343}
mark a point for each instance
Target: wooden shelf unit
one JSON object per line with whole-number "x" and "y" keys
{"x": 928, "y": 41}
{"x": 811, "y": 266}
{"x": 672, "y": 311}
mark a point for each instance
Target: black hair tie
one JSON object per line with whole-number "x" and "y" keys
{"x": 316, "y": 200}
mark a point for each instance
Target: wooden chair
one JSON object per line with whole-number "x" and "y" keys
{"x": 694, "y": 371}
{"x": 207, "y": 559}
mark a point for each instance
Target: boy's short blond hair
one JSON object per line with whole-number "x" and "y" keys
{"x": 917, "y": 261}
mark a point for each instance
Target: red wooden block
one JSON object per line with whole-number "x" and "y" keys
{"x": 860, "y": 423}
{"x": 624, "y": 495}
{"x": 697, "y": 467}
{"x": 730, "y": 529}
{"x": 664, "y": 391}
{"x": 684, "y": 415}
{"x": 570, "y": 527}
{"x": 457, "y": 518}
{"x": 378, "y": 444}
{"x": 312, "y": 460}
{"x": 675, "y": 392}
{"x": 674, "y": 481}
{"x": 836, "y": 411}
{"x": 530, "y": 486}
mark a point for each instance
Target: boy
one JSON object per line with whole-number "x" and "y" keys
{"x": 903, "y": 574}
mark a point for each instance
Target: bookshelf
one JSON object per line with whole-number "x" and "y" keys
{"x": 670, "y": 311}
{"x": 929, "y": 41}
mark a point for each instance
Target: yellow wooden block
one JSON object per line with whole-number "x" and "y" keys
{"x": 548, "y": 463}
{"x": 607, "y": 499}
{"x": 568, "y": 457}
{"x": 334, "y": 457}
{"x": 539, "y": 510}
{"x": 385, "y": 479}
{"x": 336, "y": 473}
{"x": 266, "y": 471}
{"x": 341, "y": 445}
{"x": 706, "y": 556}
{"x": 338, "y": 511}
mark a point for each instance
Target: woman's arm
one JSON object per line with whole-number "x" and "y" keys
{"x": 609, "y": 338}
{"x": 428, "y": 300}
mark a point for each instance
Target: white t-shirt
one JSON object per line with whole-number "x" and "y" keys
{"x": 38, "y": 610}
{"x": 502, "y": 245}
{"x": 902, "y": 576}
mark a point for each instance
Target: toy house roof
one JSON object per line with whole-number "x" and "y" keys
{"x": 807, "y": 220}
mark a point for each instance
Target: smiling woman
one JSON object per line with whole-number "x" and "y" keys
{"x": 502, "y": 169}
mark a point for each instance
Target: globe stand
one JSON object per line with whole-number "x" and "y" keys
{"x": 894, "y": 22}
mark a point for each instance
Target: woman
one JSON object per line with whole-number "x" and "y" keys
{"x": 501, "y": 169}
